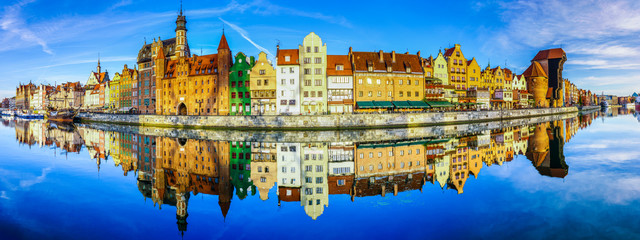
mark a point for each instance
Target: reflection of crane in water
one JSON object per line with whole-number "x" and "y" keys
{"x": 545, "y": 150}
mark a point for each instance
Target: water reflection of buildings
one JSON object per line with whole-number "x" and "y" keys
{"x": 170, "y": 170}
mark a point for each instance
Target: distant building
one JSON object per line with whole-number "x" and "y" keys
{"x": 23, "y": 95}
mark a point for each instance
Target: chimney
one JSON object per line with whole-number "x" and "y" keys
{"x": 418, "y": 53}
{"x": 393, "y": 56}
{"x": 381, "y": 58}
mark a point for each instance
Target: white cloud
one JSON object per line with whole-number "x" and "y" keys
{"x": 3, "y": 195}
{"x": 600, "y": 37}
{"x": 122, "y": 3}
{"x": 245, "y": 35}
{"x": 14, "y": 26}
{"x": 30, "y": 182}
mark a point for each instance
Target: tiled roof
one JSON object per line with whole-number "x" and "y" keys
{"x": 550, "y": 54}
{"x": 449, "y": 51}
{"x": 333, "y": 60}
{"x": 508, "y": 74}
{"x": 293, "y": 56}
{"x": 223, "y": 43}
{"x": 206, "y": 63}
{"x": 403, "y": 61}
{"x": 535, "y": 70}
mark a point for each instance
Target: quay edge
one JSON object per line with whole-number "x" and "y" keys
{"x": 320, "y": 122}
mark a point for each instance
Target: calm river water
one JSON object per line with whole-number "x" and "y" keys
{"x": 573, "y": 178}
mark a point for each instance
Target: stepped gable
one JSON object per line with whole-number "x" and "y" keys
{"x": 145, "y": 53}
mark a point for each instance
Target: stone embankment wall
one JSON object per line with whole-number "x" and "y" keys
{"x": 589, "y": 108}
{"x": 357, "y": 135}
{"x": 347, "y": 121}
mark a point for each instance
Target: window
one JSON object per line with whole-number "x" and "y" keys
{"x": 318, "y": 191}
{"x": 308, "y": 49}
{"x": 319, "y": 168}
{"x": 307, "y": 71}
{"x": 307, "y": 82}
{"x": 262, "y": 72}
{"x": 287, "y": 58}
{"x": 360, "y": 94}
{"x": 306, "y": 60}
{"x": 308, "y": 180}
{"x": 359, "y": 81}
{"x": 319, "y": 180}
{"x": 318, "y": 60}
{"x": 318, "y": 82}
{"x": 316, "y": 49}
{"x": 339, "y": 67}
{"x": 400, "y": 81}
{"x": 318, "y": 71}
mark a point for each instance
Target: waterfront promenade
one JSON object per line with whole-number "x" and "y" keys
{"x": 321, "y": 122}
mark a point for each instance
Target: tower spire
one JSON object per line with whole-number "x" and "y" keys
{"x": 180, "y": 7}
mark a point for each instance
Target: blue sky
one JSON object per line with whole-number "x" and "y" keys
{"x": 48, "y": 41}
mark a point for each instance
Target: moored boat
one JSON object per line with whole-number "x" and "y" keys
{"x": 61, "y": 116}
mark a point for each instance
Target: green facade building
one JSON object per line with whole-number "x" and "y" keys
{"x": 240, "y": 160}
{"x": 239, "y": 94}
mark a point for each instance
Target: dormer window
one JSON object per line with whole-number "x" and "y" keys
{"x": 389, "y": 69}
{"x": 370, "y": 68}
{"x": 408, "y": 69}
{"x": 287, "y": 58}
{"x": 339, "y": 67}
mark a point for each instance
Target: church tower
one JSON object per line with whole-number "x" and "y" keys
{"x": 224, "y": 64}
{"x": 182, "y": 47}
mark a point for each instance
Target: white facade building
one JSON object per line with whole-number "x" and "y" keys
{"x": 288, "y": 159}
{"x": 288, "y": 82}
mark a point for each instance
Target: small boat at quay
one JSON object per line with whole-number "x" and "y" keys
{"x": 8, "y": 113}
{"x": 24, "y": 114}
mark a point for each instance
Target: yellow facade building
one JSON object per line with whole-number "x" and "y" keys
{"x": 263, "y": 87}
{"x": 382, "y": 78}
{"x": 457, "y": 69}
{"x": 473, "y": 74}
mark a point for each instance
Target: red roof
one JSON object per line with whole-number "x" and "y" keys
{"x": 550, "y": 54}
{"x": 362, "y": 60}
{"x": 334, "y": 60}
{"x": 223, "y": 43}
{"x": 508, "y": 74}
{"x": 293, "y": 56}
{"x": 449, "y": 51}
{"x": 535, "y": 70}
{"x": 200, "y": 63}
